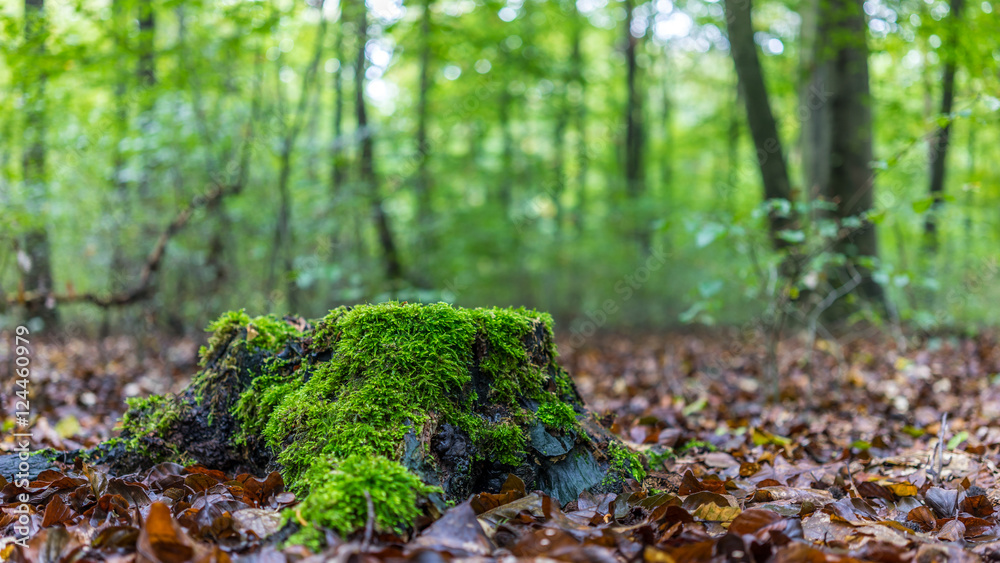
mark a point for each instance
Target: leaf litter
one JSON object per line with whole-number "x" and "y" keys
{"x": 871, "y": 453}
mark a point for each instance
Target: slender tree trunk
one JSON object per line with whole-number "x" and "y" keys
{"x": 368, "y": 177}
{"x": 635, "y": 177}
{"x": 732, "y": 148}
{"x": 763, "y": 128}
{"x": 423, "y": 180}
{"x": 338, "y": 167}
{"x": 559, "y": 157}
{"x": 146, "y": 71}
{"x": 505, "y": 193}
{"x": 938, "y": 150}
{"x": 119, "y": 31}
{"x": 284, "y": 242}
{"x": 36, "y": 269}
{"x": 667, "y": 122}
{"x": 580, "y": 122}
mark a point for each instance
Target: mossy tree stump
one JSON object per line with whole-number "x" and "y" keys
{"x": 409, "y": 403}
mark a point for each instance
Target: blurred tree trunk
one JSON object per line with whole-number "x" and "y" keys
{"x": 284, "y": 242}
{"x": 423, "y": 180}
{"x": 667, "y": 124}
{"x": 838, "y": 141}
{"x": 558, "y": 184}
{"x": 733, "y": 135}
{"x": 146, "y": 71}
{"x": 938, "y": 150}
{"x": 367, "y": 175}
{"x": 505, "y": 193}
{"x": 763, "y": 128}
{"x": 119, "y": 34}
{"x": 635, "y": 174}
{"x": 35, "y": 255}
{"x": 580, "y": 120}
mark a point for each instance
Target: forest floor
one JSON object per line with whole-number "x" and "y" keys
{"x": 870, "y": 453}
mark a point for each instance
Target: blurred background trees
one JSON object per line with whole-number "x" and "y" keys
{"x": 164, "y": 160}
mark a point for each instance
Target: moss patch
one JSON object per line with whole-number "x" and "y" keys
{"x": 266, "y": 332}
{"x": 626, "y": 461}
{"x": 149, "y": 416}
{"x": 337, "y": 497}
{"x": 393, "y": 365}
{"x": 352, "y": 405}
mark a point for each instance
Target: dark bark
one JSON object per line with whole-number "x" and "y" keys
{"x": 635, "y": 173}
{"x": 938, "y": 150}
{"x": 367, "y": 175}
{"x": 36, "y": 271}
{"x": 763, "y": 128}
{"x": 839, "y": 136}
{"x": 146, "y": 72}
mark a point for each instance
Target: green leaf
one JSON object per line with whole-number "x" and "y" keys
{"x": 957, "y": 439}
{"x": 922, "y": 205}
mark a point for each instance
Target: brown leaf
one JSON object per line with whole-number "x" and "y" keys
{"x": 923, "y": 517}
{"x": 116, "y": 538}
{"x": 978, "y": 506}
{"x": 867, "y": 489}
{"x": 753, "y": 520}
{"x": 458, "y": 533}
{"x": 953, "y": 530}
{"x": 162, "y": 540}
{"x": 56, "y": 512}
{"x": 513, "y": 489}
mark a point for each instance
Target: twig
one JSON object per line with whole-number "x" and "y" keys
{"x": 370, "y": 522}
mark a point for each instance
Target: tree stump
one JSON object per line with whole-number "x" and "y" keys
{"x": 399, "y": 404}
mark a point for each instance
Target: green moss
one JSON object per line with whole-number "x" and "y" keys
{"x": 626, "y": 461}
{"x": 150, "y": 416}
{"x": 557, "y": 415}
{"x": 337, "y": 494}
{"x": 698, "y": 445}
{"x": 393, "y": 364}
{"x": 266, "y": 332}
{"x": 503, "y": 442}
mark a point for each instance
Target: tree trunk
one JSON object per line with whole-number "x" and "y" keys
{"x": 635, "y": 174}
{"x": 580, "y": 122}
{"x": 284, "y": 243}
{"x": 36, "y": 268}
{"x": 839, "y": 137}
{"x": 390, "y": 256}
{"x": 506, "y": 192}
{"x": 119, "y": 33}
{"x": 763, "y": 128}
{"x": 146, "y": 72}
{"x": 938, "y": 150}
